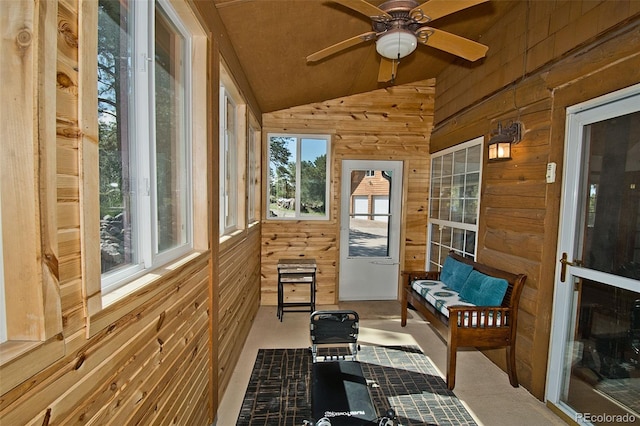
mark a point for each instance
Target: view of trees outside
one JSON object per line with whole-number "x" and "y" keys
{"x": 163, "y": 145}
{"x": 288, "y": 196}
{"x": 114, "y": 154}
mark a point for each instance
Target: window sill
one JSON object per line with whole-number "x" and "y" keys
{"x": 232, "y": 238}
{"x": 123, "y": 300}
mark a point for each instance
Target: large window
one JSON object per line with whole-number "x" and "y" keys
{"x": 144, "y": 150}
{"x": 454, "y": 201}
{"x": 233, "y": 136}
{"x": 298, "y": 182}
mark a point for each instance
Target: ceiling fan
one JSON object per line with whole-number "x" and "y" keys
{"x": 399, "y": 25}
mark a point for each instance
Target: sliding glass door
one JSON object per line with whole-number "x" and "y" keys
{"x": 594, "y": 371}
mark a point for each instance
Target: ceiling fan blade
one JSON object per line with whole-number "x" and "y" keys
{"x": 387, "y": 70}
{"x": 365, "y": 8}
{"x": 459, "y": 46}
{"x": 353, "y": 41}
{"x": 434, "y": 9}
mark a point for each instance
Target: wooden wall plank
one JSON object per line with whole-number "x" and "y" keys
{"x": 386, "y": 124}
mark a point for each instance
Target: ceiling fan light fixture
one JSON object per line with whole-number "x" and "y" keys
{"x": 396, "y": 44}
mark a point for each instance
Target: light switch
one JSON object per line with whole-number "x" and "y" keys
{"x": 551, "y": 172}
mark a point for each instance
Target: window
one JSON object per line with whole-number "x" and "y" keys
{"x": 298, "y": 180}
{"x": 253, "y": 196}
{"x": 232, "y": 155}
{"x": 228, "y": 150}
{"x": 144, "y": 99}
{"x": 454, "y": 201}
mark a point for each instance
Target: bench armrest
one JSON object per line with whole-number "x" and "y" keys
{"x": 408, "y": 276}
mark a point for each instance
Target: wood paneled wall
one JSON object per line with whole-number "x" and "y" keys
{"x": 239, "y": 299}
{"x": 153, "y": 357}
{"x": 387, "y": 124}
{"x": 567, "y": 52}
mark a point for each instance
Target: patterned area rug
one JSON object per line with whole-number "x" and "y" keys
{"x": 401, "y": 378}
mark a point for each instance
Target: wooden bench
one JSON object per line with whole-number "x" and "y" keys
{"x": 470, "y": 326}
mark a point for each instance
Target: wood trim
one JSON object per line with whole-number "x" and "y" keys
{"x": 88, "y": 157}
{"x": 28, "y": 162}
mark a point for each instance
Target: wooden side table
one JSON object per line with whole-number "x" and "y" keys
{"x": 296, "y": 271}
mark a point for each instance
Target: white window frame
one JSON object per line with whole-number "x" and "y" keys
{"x": 144, "y": 232}
{"x": 435, "y": 260}
{"x": 233, "y": 157}
{"x": 299, "y": 137}
{"x": 228, "y": 157}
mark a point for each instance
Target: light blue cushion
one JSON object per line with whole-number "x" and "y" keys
{"x": 455, "y": 273}
{"x": 483, "y": 290}
{"x": 438, "y": 294}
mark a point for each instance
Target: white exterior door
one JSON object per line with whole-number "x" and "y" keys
{"x": 594, "y": 367}
{"x": 370, "y": 240}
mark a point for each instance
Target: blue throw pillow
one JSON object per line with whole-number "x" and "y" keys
{"x": 454, "y": 273}
{"x": 483, "y": 290}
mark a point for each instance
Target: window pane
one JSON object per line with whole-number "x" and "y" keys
{"x": 472, "y": 185}
{"x": 171, "y": 156}
{"x": 254, "y": 184}
{"x": 230, "y": 164}
{"x": 459, "y": 161}
{"x": 115, "y": 147}
{"x": 470, "y": 242}
{"x": 457, "y": 242}
{"x": 612, "y": 233}
{"x": 474, "y": 157}
{"x": 447, "y": 165}
{"x": 445, "y": 209}
{"x": 282, "y": 176}
{"x": 313, "y": 177}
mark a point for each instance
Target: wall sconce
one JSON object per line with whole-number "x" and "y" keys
{"x": 500, "y": 142}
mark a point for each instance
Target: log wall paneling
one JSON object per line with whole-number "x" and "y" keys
{"x": 519, "y": 211}
{"x": 387, "y": 124}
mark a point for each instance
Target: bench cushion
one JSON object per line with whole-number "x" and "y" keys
{"x": 455, "y": 273}
{"x": 483, "y": 290}
{"x": 439, "y": 295}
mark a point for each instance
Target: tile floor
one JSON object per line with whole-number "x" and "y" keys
{"x": 480, "y": 384}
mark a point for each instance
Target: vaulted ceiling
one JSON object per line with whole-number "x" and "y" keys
{"x": 272, "y": 39}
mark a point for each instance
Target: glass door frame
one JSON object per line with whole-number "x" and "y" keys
{"x": 565, "y": 295}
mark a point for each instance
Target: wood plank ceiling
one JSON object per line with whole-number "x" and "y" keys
{"x": 273, "y": 37}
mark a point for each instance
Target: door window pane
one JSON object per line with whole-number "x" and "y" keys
{"x": 612, "y": 191}
{"x": 369, "y": 215}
